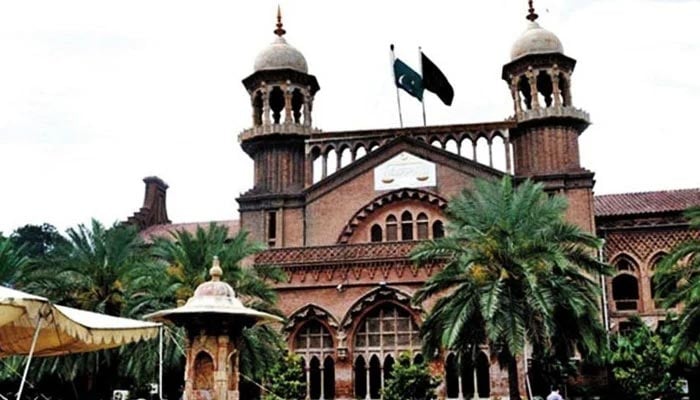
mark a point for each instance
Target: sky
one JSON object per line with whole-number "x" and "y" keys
{"x": 96, "y": 95}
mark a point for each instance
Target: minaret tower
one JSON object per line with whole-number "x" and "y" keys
{"x": 545, "y": 141}
{"x": 281, "y": 97}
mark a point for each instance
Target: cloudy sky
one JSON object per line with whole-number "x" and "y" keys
{"x": 95, "y": 95}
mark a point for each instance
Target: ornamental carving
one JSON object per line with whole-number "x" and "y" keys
{"x": 374, "y": 297}
{"x": 385, "y": 199}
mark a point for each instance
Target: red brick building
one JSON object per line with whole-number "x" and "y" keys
{"x": 341, "y": 211}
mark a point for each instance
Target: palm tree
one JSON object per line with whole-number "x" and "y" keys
{"x": 188, "y": 258}
{"x": 12, "y": 262}
{"x": 678, "y": 277}
{"x": 514, "y": 266}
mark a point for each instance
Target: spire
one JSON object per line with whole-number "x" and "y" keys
{"x": 532, "y": 16}
{"x": 279, "y": 31}
{"x": 215, "y": 272}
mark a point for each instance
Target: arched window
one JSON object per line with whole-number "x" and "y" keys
{"x": 483, "y": 379}
{"x": 376, "y": 233}
{"x": 657, "y": 296}
{"x": 386, "y": 331}
{"x": 625, "y": 292}
{"x": 204, "y": 372}
{"x": 625, "y": 286}
{"x": 297, "y": 104}
{"x": 545, "y": 88}
{"x": 438, "y": 230}
{"x": 276, "y": 104}
{"x": 422, "y": 226}
{"x": 406, "y": 226}
{"x": 257, "y": 109}
{"x": 314, "y": 343}
{"x": 470, "y": 376}
{"x": 361, "y": 373}
{"x": 451, "y": 376}
{"x": 329, "y": 378}
{"x": 391, "y": 229}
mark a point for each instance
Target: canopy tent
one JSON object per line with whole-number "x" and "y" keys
{"x": 31, "y": 325}
{"x": 63, "y": 330}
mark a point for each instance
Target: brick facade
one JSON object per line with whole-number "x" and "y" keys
{"x": 343, "y": 238}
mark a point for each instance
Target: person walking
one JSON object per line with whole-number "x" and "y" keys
{"x": 555, "y": 394}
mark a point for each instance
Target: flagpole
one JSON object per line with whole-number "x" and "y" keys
{"x": 393, "y": 73}
{"x": 422, "y": 100}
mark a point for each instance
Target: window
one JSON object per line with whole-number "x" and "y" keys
{"x": 391, "y": 229}
{"x": 376, "y": 233}
{"x": 625, "y": 286}
{"x": 384, "y": 333}
{"x": 406, "y": 226}
{"x": 625, "y": 292}
{"x": 422, "y": 226}
{"x": 438, "y": 230}
{"x": 271, "y": 228}
{"x": 314, "y": 343}
{"x": 460, "y": 376}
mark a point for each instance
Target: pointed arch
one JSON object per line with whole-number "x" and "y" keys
{"x": 396, "y": 195}
{"x": 373, "y": 298}
{"x": 309, "y": 312}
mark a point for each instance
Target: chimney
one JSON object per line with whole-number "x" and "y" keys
{"x": 153, "y": 211}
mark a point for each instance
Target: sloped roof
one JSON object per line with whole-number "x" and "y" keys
{"x": 646, "y": 202}
{"x": 163, "y": 230}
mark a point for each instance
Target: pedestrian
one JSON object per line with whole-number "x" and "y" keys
{"x": 555, "y": 394}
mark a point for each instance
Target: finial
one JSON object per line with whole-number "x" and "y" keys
{"x": 532, "y": 16}
{"x": 279, "y": 31}
{"x": 215, "y": 271}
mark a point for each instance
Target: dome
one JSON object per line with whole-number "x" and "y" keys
{"x": 280, "y": 55}
{"x": 536, "y": 40}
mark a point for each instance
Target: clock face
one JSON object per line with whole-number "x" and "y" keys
{"x": 404, "y": 170}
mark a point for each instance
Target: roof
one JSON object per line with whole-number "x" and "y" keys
{"x": 646, "y": 202}
{"x": 163, "y": 230}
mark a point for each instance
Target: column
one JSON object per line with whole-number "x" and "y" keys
{"x": 532, "y": 80}
{"x": 367, "y": 396}
{"x": 322, "y": 382}
{"x": 287, "y": 103}
{"x": 490, "y": 143}
{"x": 266, "y": 105}
{"x": 516, "y": 95}
{"x": 506, "y": 143}
{"x": 324, "y": 165}
{"x": 307, "y": 369}
{"x": 556, "y": 92}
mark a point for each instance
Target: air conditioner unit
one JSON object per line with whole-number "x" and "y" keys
{"x": 120, "y": 395}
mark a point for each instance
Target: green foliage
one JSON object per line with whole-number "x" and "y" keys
{"x": 410, "y": 381}
{"x": 285, "y": 379}
{"x": 641, "y": 366}
{"x": 515, "y": 267}
{"x": 12, "y": 262}
{"x": 678, "y": 278}
{"x": 185, "y": 261}
{"x": 39, "y": 241}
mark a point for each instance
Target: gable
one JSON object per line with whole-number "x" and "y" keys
{"x": 404, "y": 163}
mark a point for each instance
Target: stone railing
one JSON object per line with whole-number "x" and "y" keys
{"x": 284, "y": 128}
{"x": 549, "y": 112}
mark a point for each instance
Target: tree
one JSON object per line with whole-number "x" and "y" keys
{"x": 12, "y": 262}
{"x": 92, "y": 274}
{"x": 188, "y": 258}
{"x": 286, "y": 379}
{"x": 39, "y": 241}
{"x": 678, "y": 279}
{"x": 641, "y": 365}
{"x": 410, "y": 381}
{"x": 514, "y": 266}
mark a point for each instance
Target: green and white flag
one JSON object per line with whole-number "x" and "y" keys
{"x": 408, "y": 79}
